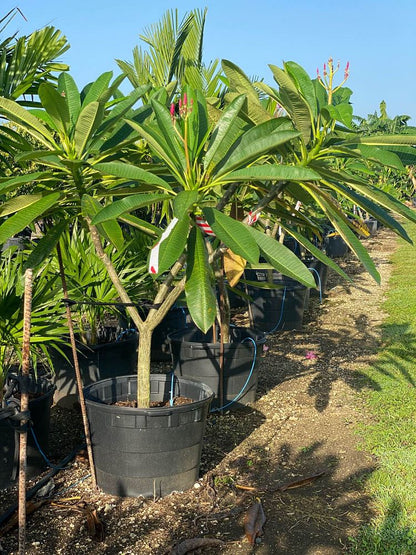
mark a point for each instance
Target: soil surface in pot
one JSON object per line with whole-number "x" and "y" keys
{"x": 295, "y": 449}
{"x": 176, "y": 402}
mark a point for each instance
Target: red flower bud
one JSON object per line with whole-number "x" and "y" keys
{"x": 172, "y": 109}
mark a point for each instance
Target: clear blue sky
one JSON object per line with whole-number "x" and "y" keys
{"x": 377, "y": 37}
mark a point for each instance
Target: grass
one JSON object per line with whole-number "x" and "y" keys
{"x": 392, "y": 434}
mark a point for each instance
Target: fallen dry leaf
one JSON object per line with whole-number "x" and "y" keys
{"x": 254, "y": 521}
{"x": 94, "y": 525}
{"x": 301, "y": 483}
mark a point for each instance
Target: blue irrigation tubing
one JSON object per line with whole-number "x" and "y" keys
{"x": 319, "y": 282}
{"x": 282, "y": 308}
{"x": 125, "y": 332}
{"x": 239, "y": 395}
{"x": 39, "y": 448}
{"x": 172, "y": 388}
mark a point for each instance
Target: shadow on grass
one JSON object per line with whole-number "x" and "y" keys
{"x": 390, "y": 537}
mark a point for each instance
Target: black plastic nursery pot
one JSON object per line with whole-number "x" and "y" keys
{"x": 335, "y": 246}
{"x": 97, "y": 362}
{"x": 147, "y": 452}
{"x": 196, "y": 356}
{"x": 276, "y": 309}
{"x": 41, "y": 391}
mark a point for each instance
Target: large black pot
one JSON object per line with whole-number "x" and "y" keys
{"x": 276, "y": 309}
{"x": 41, "y": 391}
{"x": 97, "y": 362}
{"x": 335, "y": 246}
{"x": 146, "y": 451}
{"x": 195, "y": 355}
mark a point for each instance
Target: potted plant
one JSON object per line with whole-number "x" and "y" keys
{"x": 192, "y": 160}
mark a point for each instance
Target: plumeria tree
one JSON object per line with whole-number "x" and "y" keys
{"x": 101, "y": 160}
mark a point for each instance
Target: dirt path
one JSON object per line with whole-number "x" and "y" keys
{"x": 301, "y": 425}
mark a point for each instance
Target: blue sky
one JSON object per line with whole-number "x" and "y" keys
{"x": 377, "y": 37}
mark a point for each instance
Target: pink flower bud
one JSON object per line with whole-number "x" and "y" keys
{"x": 185, "y": 100}
{"x": 172, "y": 109}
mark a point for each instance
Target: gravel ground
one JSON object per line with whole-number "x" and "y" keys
{"x": 292, "y": 456}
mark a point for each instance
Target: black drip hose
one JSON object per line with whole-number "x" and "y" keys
{"x": 33, "y": 491}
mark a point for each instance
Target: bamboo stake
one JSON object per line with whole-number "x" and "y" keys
{"x": 24, "y": 407}
{"x": 77, "y": 369}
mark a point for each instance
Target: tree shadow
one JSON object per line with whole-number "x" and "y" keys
{"x": 390, "y": 537}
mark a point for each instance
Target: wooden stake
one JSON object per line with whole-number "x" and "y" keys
{"x": 24, "y": 407}
{"x": 77, "y": 369}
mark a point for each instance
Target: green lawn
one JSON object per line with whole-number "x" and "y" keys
{"x": 392, "y": 435}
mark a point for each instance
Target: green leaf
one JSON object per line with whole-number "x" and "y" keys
{"x": 88, "y": 120}
{"x": 125, "y": 205}
{"x": 68, "y": 87}
{"x": 17, "y": 203}
{"x": 10, "y": 183}
{"x": 402, "y": 139}
{"x": 240, "y": 83}
{"x": 30, "y": 123}
{"x": 132, "y": 173}
{"x": 282, "y": 258}
{"x": 110, "y": 230}
{"x": 341, "y": 113}
{"x": 26, "y": 216}
{"x": 93, "y": 91}
{"x": 304, "y": 84}
{"x": 55, "y": 105}
{"x": 381, "y": 156}
{"x": 224, "y": 134}
{"x": 200, "y": 297}
{"x": 273, "y": 172}
{"x": 197, "y": 122}
{"x": 173, "y": 246}
{"x": 159, "y": 144}
{"x": 298, "y": 109}
{"x": 233, "y": 234}
{"x": 168, "y": 132}
{"x": 337, "y": 220}
{"x": 183, "y": 201}
{"x": 371, "y": 207}
{"x": 46, "y": 244}
{"x": 258, "y": 141}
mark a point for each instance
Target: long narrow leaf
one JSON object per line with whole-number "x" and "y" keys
{"x": 200, "y": 296}
{"x": 282, "y": 258}
{"x": 26, "y": 216}
{"x": 233, "y": 234}
{"x": 132, "y": 173}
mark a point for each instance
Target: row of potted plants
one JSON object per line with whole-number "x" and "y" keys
{"x": 199, "y": 180}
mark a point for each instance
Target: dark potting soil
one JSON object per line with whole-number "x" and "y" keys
{"x": 176, "y": 402}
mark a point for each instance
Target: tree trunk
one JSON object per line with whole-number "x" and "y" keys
{"x": 143, "y": 367}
